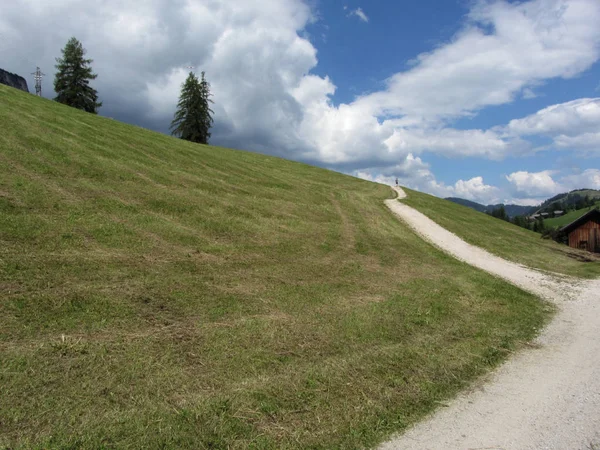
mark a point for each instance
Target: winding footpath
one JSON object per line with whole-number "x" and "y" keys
{"x": 544, "y": 397}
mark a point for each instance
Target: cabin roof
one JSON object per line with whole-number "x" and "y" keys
{"x": 590, "y": 215}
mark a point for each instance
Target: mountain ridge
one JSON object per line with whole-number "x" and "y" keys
{"x": 558, "y": 202}
{"x": 511, "y": 209}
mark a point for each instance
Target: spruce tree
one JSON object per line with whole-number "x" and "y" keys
{"x": 193, "y": 118}
{"x": 206, "y": 111}
{"x": 71, "y": 82}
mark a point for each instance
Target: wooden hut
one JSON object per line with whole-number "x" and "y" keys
{"x": 584, "y": 233}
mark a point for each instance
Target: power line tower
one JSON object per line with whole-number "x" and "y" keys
{"x": 37, "y": 76}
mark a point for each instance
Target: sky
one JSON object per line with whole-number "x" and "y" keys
{"x": 489, "y": 100}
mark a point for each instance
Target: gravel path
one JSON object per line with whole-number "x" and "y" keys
{"x": 545, "y": 397}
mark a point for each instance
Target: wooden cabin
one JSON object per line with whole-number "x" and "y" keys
{"x": 584, "y": 233}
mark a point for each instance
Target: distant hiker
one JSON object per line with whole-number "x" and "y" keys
{"x": 396, "y": 181}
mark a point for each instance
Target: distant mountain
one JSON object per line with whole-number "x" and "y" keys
{"x": 461, "y": 201}
{"x": 564, "y": 201}
{"x": 514, "y": 210}
{"x": 511, "y": 210}
{"x": 568, "y": 200}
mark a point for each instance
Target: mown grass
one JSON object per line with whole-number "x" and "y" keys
{"x": 505, "y": 239}
{"x": 161, "y": 294}
{"x": 568, "y": 218}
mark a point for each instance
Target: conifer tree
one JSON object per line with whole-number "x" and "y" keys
{"x": 193, "y": 118}
{"x": 71, "y": 82}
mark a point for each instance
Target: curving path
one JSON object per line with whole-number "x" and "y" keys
{"x": 546, "y": 397}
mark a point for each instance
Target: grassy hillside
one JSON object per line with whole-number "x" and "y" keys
{"x": 561, "y": 201}
{"x": 162, "y": 294}
{"x": 592, "y": 193}
{"x": 567, "y": 218}
{"x": 505, "y": 239}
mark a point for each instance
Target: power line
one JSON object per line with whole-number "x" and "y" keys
{"x": 37, "y": 76}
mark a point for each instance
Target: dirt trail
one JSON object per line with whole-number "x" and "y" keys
{"x": 545, "y": 397}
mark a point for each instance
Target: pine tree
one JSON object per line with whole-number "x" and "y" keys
{"x": 500, "y": 213}
{"x": 193, "y": 118}
{"x": 71, "y": 82}
{"x": 206, "y": 111}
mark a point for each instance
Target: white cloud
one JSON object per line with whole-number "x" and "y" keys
{"x": 570, "y": 118}
{"x": 409, "y": 170}
{"x": 522, "y": 201}
{"x": 589, "y": 178}
{"x": 358, "y": 12}
{"x": 252, "y": 52}
{"x": 572, "y": 125}
{"x": 506, "y": 47}
{"x": 526, "y": 46}
{"x": 526, "y": 188}
{"x": 534, "y": 187}
{"x": 450, "y": 142}
{"x": 413, "y": 173}
{"x": 266, "y": 98}
{"x": 585, "y": 143}
{"x": 535, "y": 184}
{"x": 475, "y": 189}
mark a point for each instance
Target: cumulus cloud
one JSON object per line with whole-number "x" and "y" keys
{"x": 475, "y": 189}
{"x": 504, "y": 49}
{"x": 538, "y": 186}
{"x": 589, "y": 178}
{"x": 413, "y": 173}
{"x": 524, "y": 201}
{"x": 535, "y": 184}
{"x": 452, "y": 142}
{"x": 252, "y": 53}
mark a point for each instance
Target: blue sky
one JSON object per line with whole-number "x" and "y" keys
{"x": 359, "y": 54}
{"x": 490, "y": 100}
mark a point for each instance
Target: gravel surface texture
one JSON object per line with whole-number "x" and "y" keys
{"x": 544, "y": 397}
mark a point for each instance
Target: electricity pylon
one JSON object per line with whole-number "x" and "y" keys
{"x": 37, "y": 76}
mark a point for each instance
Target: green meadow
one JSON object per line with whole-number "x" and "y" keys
{"x": 569, "y": 217}
{"x": 505, "y": 239}
{"x": 160, "y": 294}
